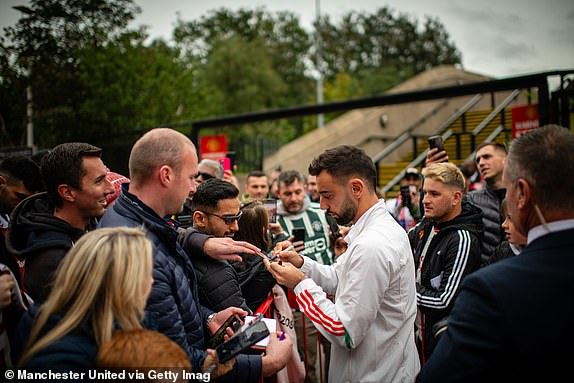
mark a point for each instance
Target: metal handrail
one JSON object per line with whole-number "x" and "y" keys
{"x": 414, "y": 125}
{"x": 402, "y": 138}
{"x": 484, "y": 123}
{"x": 465, "y": 108}
{"x": 413, "y": 164}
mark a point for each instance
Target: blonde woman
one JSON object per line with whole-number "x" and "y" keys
{"x": 101, "y": 285}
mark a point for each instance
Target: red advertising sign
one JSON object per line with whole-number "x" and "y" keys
{"x": 213, "y": 147}
{"x": 524, "y": 119}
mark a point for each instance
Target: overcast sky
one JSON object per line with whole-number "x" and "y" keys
{"x": 499, "y": 38}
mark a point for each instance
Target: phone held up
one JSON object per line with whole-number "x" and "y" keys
{"x": 405, "y": 195}
{"x": 271, "y": 206}
{"x": 437, "y": 142}
{"x": 249, "y": 335}
{"x": 233, "y": 322}
{"x": 298, "y": 234}
{"x": 225, "y": 163}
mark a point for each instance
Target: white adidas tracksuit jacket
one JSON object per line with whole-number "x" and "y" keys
{"x": 370, "y": 325}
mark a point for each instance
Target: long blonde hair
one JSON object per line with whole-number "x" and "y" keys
{"x": 101, "y": 280}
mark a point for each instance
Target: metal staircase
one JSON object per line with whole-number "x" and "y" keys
{"x": 461, "y": 133}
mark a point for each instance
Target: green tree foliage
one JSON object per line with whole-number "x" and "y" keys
{"x": 94, "y": 79}
{"x": 277, "y": 36}
{"x": 242, "y": 74}
{"x": 382, "y": 49}
{"x": 42, "y": 50}
{"x": 253, "y": 60}
{"x": 240, "y": 77}
{"x": 133, "y": 86}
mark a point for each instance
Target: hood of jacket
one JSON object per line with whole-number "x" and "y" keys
{"x": 469, "y": 219}
{"x": 34, "y": 227}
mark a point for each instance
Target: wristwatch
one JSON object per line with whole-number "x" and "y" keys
{"x": 210, "y": 318}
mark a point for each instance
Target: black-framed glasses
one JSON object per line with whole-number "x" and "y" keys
{"x": 228, "y": 219}
{"x": 204, "y": 176}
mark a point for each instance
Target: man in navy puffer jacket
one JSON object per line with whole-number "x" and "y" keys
{"x": 163, "y": 164}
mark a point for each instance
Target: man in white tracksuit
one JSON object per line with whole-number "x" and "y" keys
{"x": 370, "y": 325}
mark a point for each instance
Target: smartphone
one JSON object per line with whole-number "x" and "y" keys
{"x": 298, "y": 234}
{"x": 225, "y": 163}
{"x": 234, "y": 322}
{"x": 405, "y": 191}
{"x": 242, "y": 340}
{"x": 335, "y": 231}
{"x": 436, "y": 142}
{"x": 271, "y": 206}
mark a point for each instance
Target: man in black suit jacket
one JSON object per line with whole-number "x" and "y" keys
{"x": 513, "y": 321}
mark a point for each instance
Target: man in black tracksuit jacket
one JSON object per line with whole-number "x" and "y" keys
{"x": 446, "y": 246}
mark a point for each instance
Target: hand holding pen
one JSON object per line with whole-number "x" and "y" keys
{"x": 279, "y": 254}
{"x": 286, "y": 253}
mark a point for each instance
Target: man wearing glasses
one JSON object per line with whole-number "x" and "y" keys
{"x": 216, "y": 212}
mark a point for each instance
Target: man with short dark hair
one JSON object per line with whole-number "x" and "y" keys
{"x": 370, "y": 324}
{"x": 490, "y": 158}
{"x": 512, "y": 321}
{"x": 216, "y": 212}
{"x": 256, "y": 186}
{"x": 45, "y": 226}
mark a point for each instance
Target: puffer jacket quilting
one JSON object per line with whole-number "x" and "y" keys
{"x": 489, "y": 201}
{"x": 173, "y": 300}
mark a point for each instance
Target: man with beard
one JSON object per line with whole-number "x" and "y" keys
{"x": 294, "y": 211}
{"x": 216, "y": 212}
{"x": 370, "y": 324}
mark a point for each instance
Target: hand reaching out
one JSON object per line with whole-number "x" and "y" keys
{"x": 227, "y": 249}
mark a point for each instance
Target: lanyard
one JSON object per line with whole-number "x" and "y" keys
{"x": 423, "y": 254}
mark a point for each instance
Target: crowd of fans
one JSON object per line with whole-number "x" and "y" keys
{"x": 448, "y": 280}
